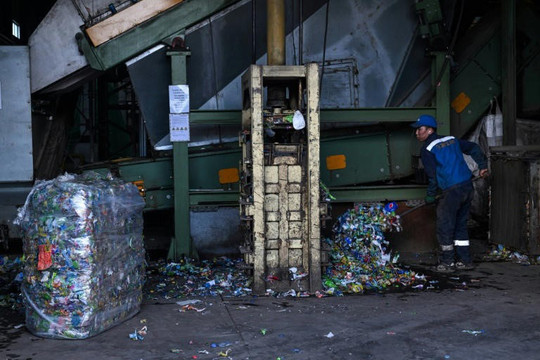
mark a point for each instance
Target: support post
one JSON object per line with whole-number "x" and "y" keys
{"x": 314, "y": 222}
{"x": 509, "y": 70}
{"x": 181, "y": 244}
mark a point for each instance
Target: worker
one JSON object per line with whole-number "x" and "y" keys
{"x": 450, "y": 186}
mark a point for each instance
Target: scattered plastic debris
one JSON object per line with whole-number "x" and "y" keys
{"x": 188, "y": 302}
{"x": 500, "y": 253}
{"x": 295, "y": 275}
{"x": 325, "y": 193}
{"x": 221, "y": 345}
{"x": 359, "y": 256}
{"x": 473, "y": 332}
{"x": 138, "y": 335}
{"x": 329, "y": 335}
{"x": 359, "y": 261}
{"x": 187, "y": 278}
{"x": 191, "y": 307}
{"x": 224, "y": 353}
{"x": 263, "y": 331}
{"x": 11, "y": 276}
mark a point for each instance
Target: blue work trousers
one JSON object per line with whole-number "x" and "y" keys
{"x": 452, "y": 215}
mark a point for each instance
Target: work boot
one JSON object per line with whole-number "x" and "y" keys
{"x": 464, "y": 266}
{"x": 445, "y": 268}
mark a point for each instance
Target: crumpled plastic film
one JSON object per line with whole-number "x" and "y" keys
{"x": 359, "y": 255}
{"x": 85, "y": 258}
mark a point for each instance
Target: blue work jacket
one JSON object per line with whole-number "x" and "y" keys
{"x": 444, "y": 163}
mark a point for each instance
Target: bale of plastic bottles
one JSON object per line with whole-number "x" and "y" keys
{"x": 84, "y": 255}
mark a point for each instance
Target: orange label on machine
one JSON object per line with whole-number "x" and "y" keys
{"x": 336, "y": 162}
{"x": 228, "y": 176}
{"x": 460, "y": 102}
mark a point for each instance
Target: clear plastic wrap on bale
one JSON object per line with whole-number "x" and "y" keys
{"x": 85, "y": 259}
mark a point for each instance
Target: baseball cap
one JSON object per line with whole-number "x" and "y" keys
{"x": 425, "y": 120}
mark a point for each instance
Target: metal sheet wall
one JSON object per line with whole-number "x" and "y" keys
{"x": 15, "y": 117}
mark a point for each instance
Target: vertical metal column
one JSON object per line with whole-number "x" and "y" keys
{"x": 181, "y": 244}
{"x": 276, "y": 32}
{"x": 314, "y": 221}
{"x": 442, "y": 96}
{"x": 508, "y": 62}
{"x": 254, "y": 116}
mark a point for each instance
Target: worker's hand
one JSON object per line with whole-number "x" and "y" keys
{"x": 430, "y": 199}
{"x": 484, "y": 173}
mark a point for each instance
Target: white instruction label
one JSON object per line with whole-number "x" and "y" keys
{"x": 178, "y": 99}
{"x": 179, "y": 127}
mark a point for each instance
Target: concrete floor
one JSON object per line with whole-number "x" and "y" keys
{"x": 492, "y": 312}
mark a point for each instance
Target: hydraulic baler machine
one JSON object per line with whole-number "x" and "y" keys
{"x": 279, "y": 190}
{"x": 279, "y": 187}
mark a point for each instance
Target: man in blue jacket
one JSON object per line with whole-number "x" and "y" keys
{"x": 448, "y": 172}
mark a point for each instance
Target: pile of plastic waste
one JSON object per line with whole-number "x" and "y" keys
{"x": 221, "y": 276}
{"x": 360, "y": 259}
{"x": 10, "y": 280}
{"x": 85, "y": 258}
{"x": 501, "y": 253}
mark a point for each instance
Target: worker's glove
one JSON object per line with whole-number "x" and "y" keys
{"x": 430, "y": 199}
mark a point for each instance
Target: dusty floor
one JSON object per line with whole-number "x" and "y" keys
{"x": 491, "y": 312}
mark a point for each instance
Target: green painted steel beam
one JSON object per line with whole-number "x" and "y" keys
{"x": 214, "y": 197}
{"x": 365, "y": 115}
{"x": 150, "y": 33}
{"x": 181, "y": 244}
{"x": 221, "y": 117}
{"x": 341, "y": 194}
{"x": 375, "y": 114}
{"x": 377, "y": 193}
